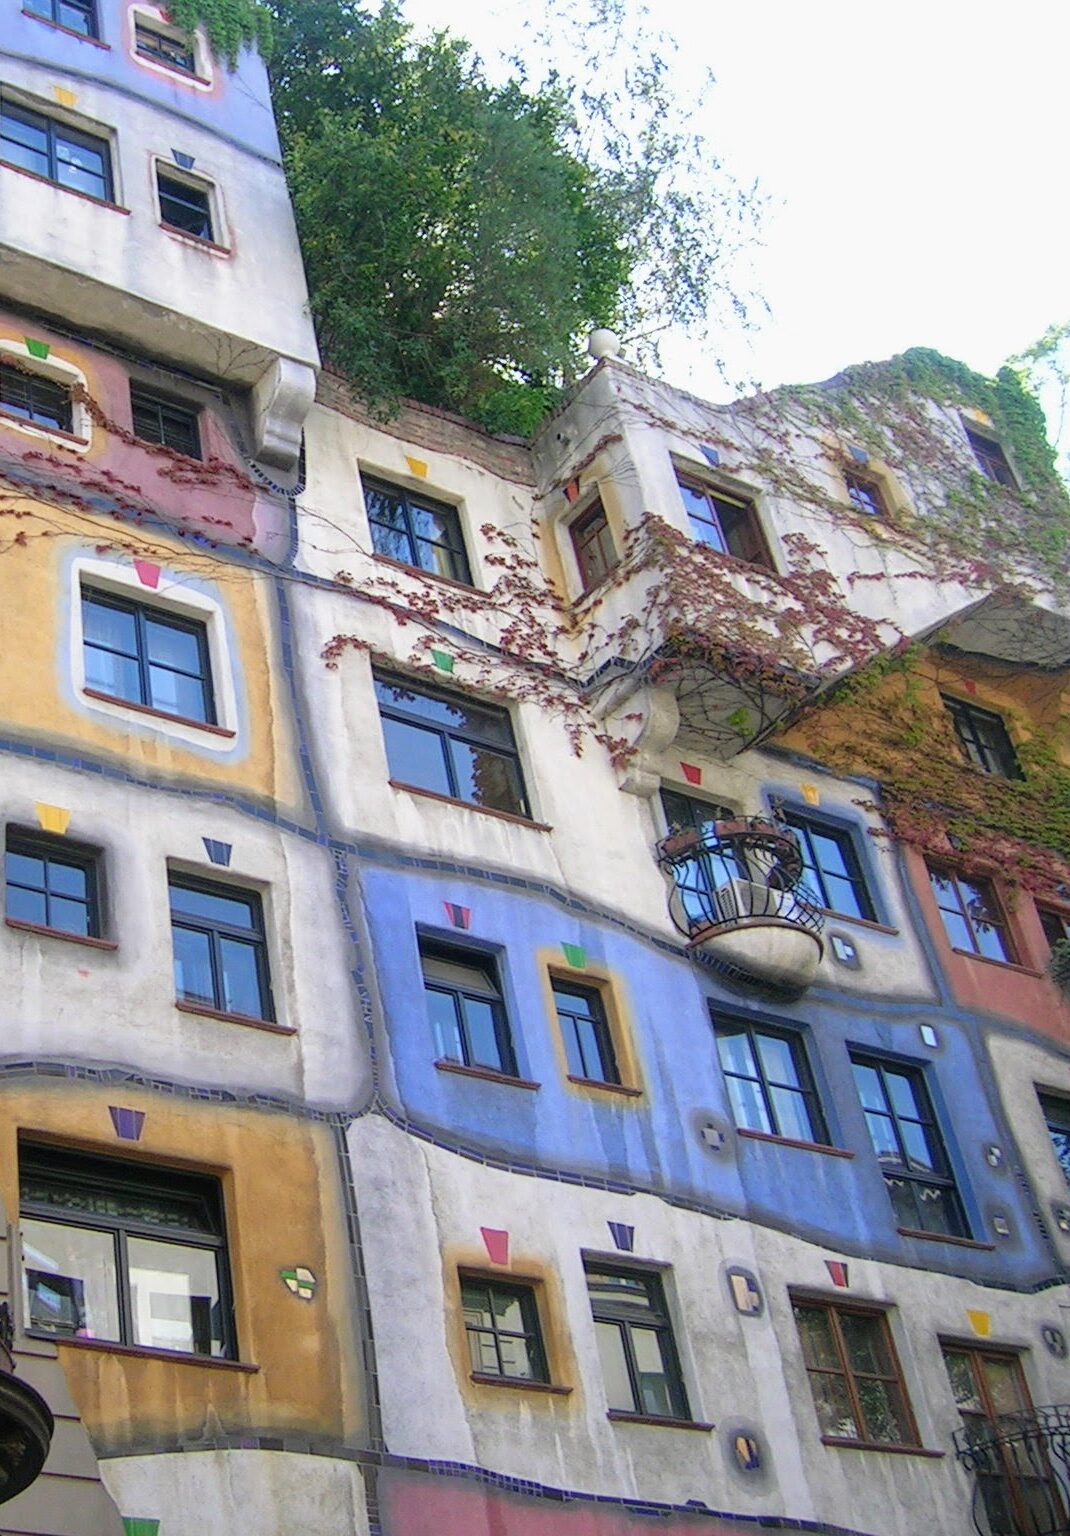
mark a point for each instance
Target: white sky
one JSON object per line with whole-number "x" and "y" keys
{"x": 915, "y": 160}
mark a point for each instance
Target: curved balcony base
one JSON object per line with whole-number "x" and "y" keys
{"x": 25, "y": 1435}
{"x": 764, "y": 950}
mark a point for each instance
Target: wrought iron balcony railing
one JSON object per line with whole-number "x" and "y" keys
{"x": 729, "y": 877}
{"x": 1021, "y": 1462}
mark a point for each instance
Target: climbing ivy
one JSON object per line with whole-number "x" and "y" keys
{"x": 228, "y": 24}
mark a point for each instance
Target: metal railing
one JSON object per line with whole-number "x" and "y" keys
{"x": 1021, "y": 1462}
{"x": 731, "y": 872}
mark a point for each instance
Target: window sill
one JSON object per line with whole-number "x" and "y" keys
{"x": 1004, "y": 965}
{"x": 418, "y": 570}
{"x": 618, "y": 1416}
{"x": 520, "y": 1383}
{"x": 204, "y": 1012}
{"x": 878, "y": 1445}
{"x": 861, "y": 922}
{"x": 144, "y": 1352}
{"x": 59, "y": 933}
{"x": 57, "y": 26}
{"x": 486, "y": 1074}
{"x": 946, "y": 1237}
{"x": 46, "y": 181}
{"x": 187, "y": 75}
{"x": 198, "y": 240}
{"x": 623, "y": 1089}
{"x": 159, "y": 714}
{"x": 790, "y": 1141}
{"x": 58, "y": 433}
{"x": 482, "y": 810}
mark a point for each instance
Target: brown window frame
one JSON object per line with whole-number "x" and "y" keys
{"x": 991, "y": 457}
{"x": 848, "y": 1374}
{"x": 869, "y": 499}
{"x": 754, "y": 547}
{"x": 590, "y": 531}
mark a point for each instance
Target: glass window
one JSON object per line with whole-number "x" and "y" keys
{"x": 640, "y": 1368}
{"x": 832, "y": 867}
{"x": 1055, "y": 922}
{"x": 416, "y": 530}
{"x": 451, "y": 745}
{"x": 79, "y": 161}
{"x": 854, "y": 1375}
{"x": 865, "y": 494}
{"x": 161, "y": 421}
{"x": 991, "y": 459}
{"x": 502, "y": 1324}
{"x": 769, "y": 1082}
{"x": 585, "y": 1031}
{"x": 220, "y": 952}
{"x": 76, "y": 15}
{"x": 51, "y": 884}
{"x": 171, "y": 48}
{"x": 1057, "y": 1119}
{"x": 34, "y": 398}
{"x": 971, "y": 915}
{"x": 184, "y": 206}
{"x": 141, "y": 655}
{"x": 124, "y": 1252}
{"x": 724, "y": 522}
{"x": 699, "y": 879}
{"x": 465, "y": 1006}
{"x": 909, "y": 1148}
{"x": 592, "y": 544}
{"x": 983, "y": 737}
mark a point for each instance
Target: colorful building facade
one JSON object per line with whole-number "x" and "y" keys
{"x": 530, "y": 1002}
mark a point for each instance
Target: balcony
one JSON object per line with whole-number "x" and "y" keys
{"x": 737, "y": 895}
{"x": 1021, "y": 1463}
{"x": 25, "y": 1421}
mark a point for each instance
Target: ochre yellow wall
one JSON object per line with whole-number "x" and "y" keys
{"x": 35, "y": 585}
{"x": 283, "y": 1208}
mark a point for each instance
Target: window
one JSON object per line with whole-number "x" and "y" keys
{"x": 854, "y": 1374}
{"x": 909, "y": 1148}
{"x": 971, "y": 915}
{"x": 769, "y": 1082}
{"x": 723, "y": 521}
{"x": 220, "y": 948}
{"x": 1055, "y": 922}
{"x": 1019, "y": 1494}
{"x": 866, "y": 495}
{"x": 1057, "y": 1119}
{"x": 35, "y": 398}
{"x": 635, "y": 1343}
{"x": 450, "y": 745}
{"x": 698, "y": 879}
{"x": 171, "y": 48}
{"x": 592, "y": 545}
{"x": 52, "y": 885}
{"x": 991, "y": 459}
{"x": 585, "y": 1030}
{"x": 160, "y": 421}
{"x": 123, "y": 1251}
{"x": 832, "y": 867}
{"x": 184, "y": 206}
{"x": 416, "y": 530}
{"x": 76, "y": 15}
{"x": 502, "y": 1324}
{"x": 141, "y": 655}
{"x": 464, "y": 1002}
{"x": 983, "y": 737}
{"x": 79, "y": 161}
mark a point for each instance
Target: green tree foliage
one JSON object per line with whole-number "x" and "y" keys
{"x": 460, "y": 240}
{"x": 228, "y": 23}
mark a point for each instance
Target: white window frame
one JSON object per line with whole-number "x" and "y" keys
{"x": 202, "y": 80}
{"x": 197, "y": 182}
{"x": 60, "y": 371}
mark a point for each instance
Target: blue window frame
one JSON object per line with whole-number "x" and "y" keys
{"x": 832, "y": 867}
{"x": 140, "y": 655}
{"x": 55, "y": 151}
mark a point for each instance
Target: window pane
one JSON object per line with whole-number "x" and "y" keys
{"x": 834, "y": 1413}
{"x": 883, "y": 1412}
{"x": 916, "y": 1145}
{"x": 614, "y": 1367}
{"x": 475, "y": 1301}
{"x": 237, "y": 911}
{"x": 416, "y": 756}
{"x": 241, "y": 978}
{"x": 963, "y": 1383}
{"x": 486, "y": 778}
{"x": 177, "y": 694}
{"x": 66, "y": 879}
{"x": 27, "y": 906}
{"x": 483, "y": 1048}
{"x": 792, "y": 1114}
{"x": 111, "y": 627}
{"x": 173, "y": 647}
{"x": 748, "y": 1105}
{"x": 193, "y": 967}
{"x": 516, "y": 1359}
{"x": 81, "y": 168}
{"x": 68, "y": 916}
{"x": 117, "y": 676}
{"x": 483, "y": 1353}
{"x": 868, "y": 1082}
{"x": 445, "y": 1024}
{"x": 902, "y": 1094}
{"x": 778, "y": 1060}
{"x": 655, "y": 1389}
{"x": 76, "y": 17}
{"x": 844, "y": 896}
{"x": 735, "y": 1052}
{"x": 70, "y": 1280}
{"x": 864, "y": 1341}
{"x": 174, "y": 1295}
{"x": 882, "y": 1135}
{"x": 392, "y": 542}
{"x": 815, "y": 1335}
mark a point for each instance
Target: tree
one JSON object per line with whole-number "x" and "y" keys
{"x": 463, "y": 236}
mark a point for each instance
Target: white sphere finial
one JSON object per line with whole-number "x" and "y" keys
{"x": 603, "y": 343}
